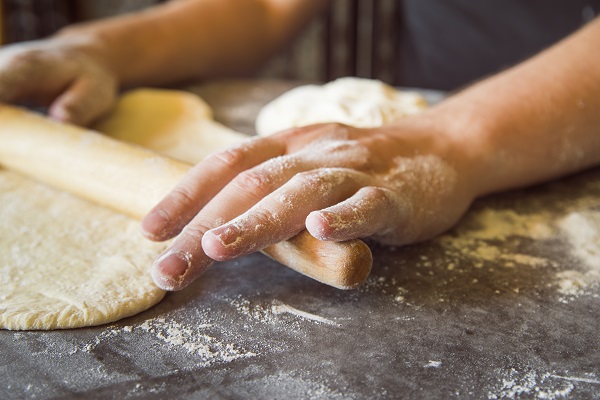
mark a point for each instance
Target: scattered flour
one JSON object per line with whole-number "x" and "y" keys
{"x": 387, "y": 286}
{"x": 482, "y": 238}
{"x": 515, "y": 384}
{"x": 256, "y": 312}
{"x": 433, "y": 364}
{"x": 194, "y": 340}
{"x": 269, "y": 314}
{"x": 281, "y": 308}
{"x": 191, "y": 338}
{"x": 582, "y": 230}
{"x": 302, "y": 385}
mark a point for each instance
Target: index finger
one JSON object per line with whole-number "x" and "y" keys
{"x": 202, "y": 183}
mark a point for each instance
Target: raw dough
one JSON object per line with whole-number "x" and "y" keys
{"x": 67, "y": 263}
{"x": 352, "y": 101}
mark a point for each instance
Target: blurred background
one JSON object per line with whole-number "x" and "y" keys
{"x": 329, "y": 48}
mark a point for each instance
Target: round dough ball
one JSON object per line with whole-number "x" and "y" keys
{"x": 358, "y": 102}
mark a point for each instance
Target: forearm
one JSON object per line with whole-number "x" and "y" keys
{"x": 191, "y": 39}
{"x": 537, "y": 121}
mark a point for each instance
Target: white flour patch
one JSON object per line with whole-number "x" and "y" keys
{"x": 515, "y": 384}
{"x": 110, "y": 332}
{"x": 192, "y": 339}
{"x": 388, "y": 287}
{"x": 433, "y": 364}
{"x": 281, "y": 308}
{"x": 483, "y": 236}
{"x": 576, "y": 379}
{"x": 256, "y": 312}
{"x": 269, "y": 314}
{"x": 299, "y": 385}
{"x": 582, "y": 231}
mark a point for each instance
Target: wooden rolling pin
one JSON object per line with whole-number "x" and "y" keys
{"x": 131, "y": 180}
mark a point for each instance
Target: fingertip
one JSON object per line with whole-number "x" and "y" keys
{"x": 317, "y": 225}
{"x": 155, "y": 226}
{"x": 60, "y": 114}
{"x": 170, "y": 269}
{"x": 213, "y": 246}
{"x": 331, "y": 226}
{"x": 63, "y": 113}
{"x": 175, "y": 270}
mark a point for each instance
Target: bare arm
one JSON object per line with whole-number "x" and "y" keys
{"x": 401, "y": 183}
{"x": 537, "y": 121}
{"x": 77, "y": 72}
{"x": 187, "y": 39}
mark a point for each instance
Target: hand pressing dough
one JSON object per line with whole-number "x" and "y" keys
{"x": 358, "y": 102}
{"x": 67, "y": 263}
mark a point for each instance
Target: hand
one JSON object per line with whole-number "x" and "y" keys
{"x": 59, "y": 74}
{"x": 399, "y": 184}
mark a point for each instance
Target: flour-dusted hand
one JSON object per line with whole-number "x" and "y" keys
{"x": 57, "y": 73}
{"x": 397, "y": 184}
{"x": 400, "y": 183}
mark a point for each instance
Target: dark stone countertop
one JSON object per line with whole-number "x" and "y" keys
{"x": 505, "y": 306}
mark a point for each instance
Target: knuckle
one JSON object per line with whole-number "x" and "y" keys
{"x": 182, "y": 197}
{"x": 231, "y": 158}
{"x": 337, "y": 130}
{"x": 23, "y": 58}
{"x": 308, "y": 177}
{"x": 193, "y": 232}
{"x": 262, "y": 219}
{"x": 329, "y": 130}
{"x": 314, "y": 180}
{"x": 383, "y": 198}
{"x": 321, "y": 178}
{"x": 338, "y": 127}
{"x": 254, "y": 183}
{"x": 376, "y": 194}
{"x": 26, "y": 61}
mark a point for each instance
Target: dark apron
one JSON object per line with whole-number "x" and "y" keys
{"x": 447, "y": 44}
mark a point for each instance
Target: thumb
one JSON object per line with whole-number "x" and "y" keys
{"x": 84, "y": 101}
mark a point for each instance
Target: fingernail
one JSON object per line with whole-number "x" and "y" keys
{"x": 60, "y": 114}
{"x": 317, "y": 224}
{"x": 154, "y": 225}
{"x": 227, "y": 235}
{"x": 170, "y": 270}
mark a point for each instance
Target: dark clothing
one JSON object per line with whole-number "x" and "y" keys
{"x": 447, "y": 44}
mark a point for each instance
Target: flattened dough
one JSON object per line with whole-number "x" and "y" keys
{"x": 67, "y": 263}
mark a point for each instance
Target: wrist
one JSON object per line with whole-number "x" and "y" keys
{"x": 468, "y": 133}
{"x": 457, "y": 137}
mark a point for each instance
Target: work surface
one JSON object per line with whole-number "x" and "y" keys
{"x": 507, "y": 305}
